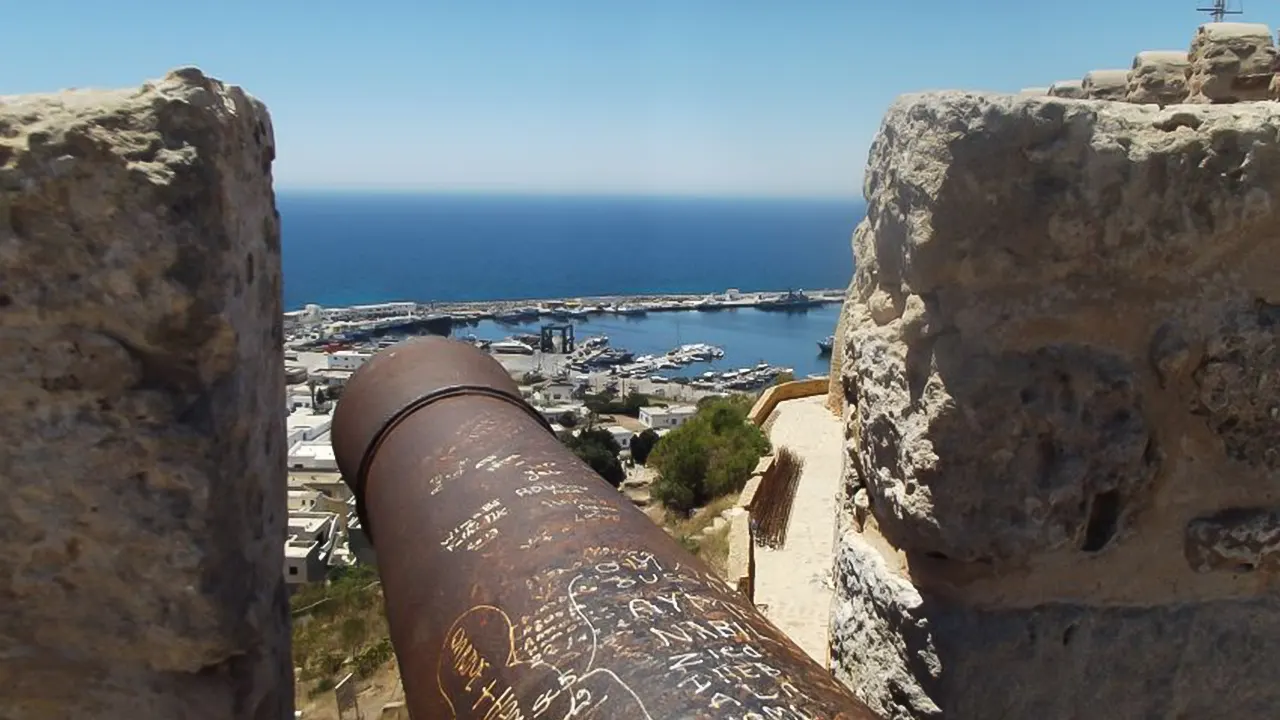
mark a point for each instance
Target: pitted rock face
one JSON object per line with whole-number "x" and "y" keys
{"x": 1125, "y": 192}
{"x": 1240, "y": 540}
{"x": 1000, "y": 458}
{"x": 140, "y": 350}
{"x": 1106, "y": 84}
{"x": 1238, "y": 380}
{"x": 1059, "y": 368}
{"x": 1158, "y": 76}
{"x": 1230, "y": 62}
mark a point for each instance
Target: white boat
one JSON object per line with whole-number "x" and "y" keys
{"x": 510, "y": 347}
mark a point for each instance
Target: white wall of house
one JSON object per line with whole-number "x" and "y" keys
{"x": 312, "y": 456}
{"x": 347, "y": 360}
{"x": 621, "y": 435}
{"x": 306, "y": 551}
{"x": 666, "y": 417}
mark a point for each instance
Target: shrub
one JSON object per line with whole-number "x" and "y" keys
{"x": 643, "y": 444}
{"x": 711, "y": 455}
{"x": 597, "y": 448}
{"x": 607, "y": 403}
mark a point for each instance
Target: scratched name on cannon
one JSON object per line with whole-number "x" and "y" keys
{"x": 709, "y": 646}
{"x": 480, "y": 668}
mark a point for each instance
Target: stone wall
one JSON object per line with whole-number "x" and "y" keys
{"x": 1226, "y": 63}
{"x": 775, "y": 394}
{"x": 140, "y": 352}
{"x": 1062, "y": 391}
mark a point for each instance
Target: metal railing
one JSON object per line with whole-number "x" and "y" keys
{"x": 518, "y": 584}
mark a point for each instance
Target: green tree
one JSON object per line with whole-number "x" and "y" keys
{"x": 597, "y": 448}
{"x": 710, "y": 455}
{"x": 642, "y": 445}
{"x": 607, "y": 403}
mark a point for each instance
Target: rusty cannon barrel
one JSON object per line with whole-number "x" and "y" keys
{"x": 519, "y": 584}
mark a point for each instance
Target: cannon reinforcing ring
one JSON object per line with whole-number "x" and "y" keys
{"x": 421, "y": 402}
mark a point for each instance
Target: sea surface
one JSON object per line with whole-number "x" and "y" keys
{"x": 353, "y": 248}
{"x": 748, "y": 336}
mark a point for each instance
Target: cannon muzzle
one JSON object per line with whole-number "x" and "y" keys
{"x": 519, "y": 584}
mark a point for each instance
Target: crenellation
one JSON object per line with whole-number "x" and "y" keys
{"x": 1061, "y": 411}
{"x": 140, "y": 342}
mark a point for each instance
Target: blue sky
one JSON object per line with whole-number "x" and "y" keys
{"x": 701, "y": 97}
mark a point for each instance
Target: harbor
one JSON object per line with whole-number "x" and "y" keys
{"x": 318, "y": 325}
{"x": 674, "y": 347}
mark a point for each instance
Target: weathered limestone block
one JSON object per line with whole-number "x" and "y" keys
{"x": 913, "y": 654}
{"x": 1073, "y": 89}
{"x": 835, "y": 388}
{"x": 1060, "y": 367}
{"x": 1033, "y": 92}
{"x": 1238, "y": 384}
{"x": 1027, "y": 452}
{"x": 881, "y": 642}
{"x": 1158, "y": 77}
{"x": 140, "y": 352}
{"x": 1106, "y": 84}
{"x": 1230, "y": 62}
{"x": 1244, "y": 540}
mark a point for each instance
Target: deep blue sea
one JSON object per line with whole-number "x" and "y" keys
{"x": 351, "y": 248}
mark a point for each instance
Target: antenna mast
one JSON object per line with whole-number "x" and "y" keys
{"x": 1219, "y": 10}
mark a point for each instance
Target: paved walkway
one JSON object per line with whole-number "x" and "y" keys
{"x": 794, "y": 581}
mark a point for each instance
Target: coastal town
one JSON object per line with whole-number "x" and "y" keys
{"x": 556, "y": 370}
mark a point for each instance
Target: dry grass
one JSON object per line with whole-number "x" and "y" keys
{"x": 339, "y": 627}
{"x": 712, "y": 548}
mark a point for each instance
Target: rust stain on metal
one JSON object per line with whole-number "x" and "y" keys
{"x": 521, "y": 585}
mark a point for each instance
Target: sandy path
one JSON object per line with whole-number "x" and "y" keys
{"x": 793, "y": 582}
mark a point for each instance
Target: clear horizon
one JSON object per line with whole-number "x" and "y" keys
{"x": 535, "y": 193}
{"x": 746, "y": 99}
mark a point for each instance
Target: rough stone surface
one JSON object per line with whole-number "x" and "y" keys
{"x": 1238, "y": 385}
{"x": 1159, "y": 77}
{"x": 1244, "y": 540}
{"x": 1106, "y": 84}
{"x": 1073, "y": 89}
{"x": 835, "y": 390}
{"x": 144, "y": 511}
{"x": 1230, "y": 62}
{"x": 881, "y": 642}
{"x": 1034, "y": 91}
{"x": 1060, "y": 367}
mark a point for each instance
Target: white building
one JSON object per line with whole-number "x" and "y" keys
{"x": 553, "y": 413}
{"x": 621, "y": 435}
{"x": 347, "y": 360}
{"x": 303, "y": 425}
{"x": 316, "y": 455}
{"x": 666, "y": 417}
{"x": 306, "y": 553}
{"x": 298, "y": 397}
{"x": 555, "y": 394}
{"x": 303, "y": 500}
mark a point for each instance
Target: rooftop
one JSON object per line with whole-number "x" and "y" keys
{"x": 315, "y": 451}
{"x": 669, "y": 410}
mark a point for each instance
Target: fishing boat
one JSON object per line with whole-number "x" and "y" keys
{"x": 825, "y": 345}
